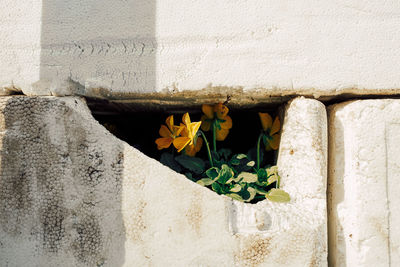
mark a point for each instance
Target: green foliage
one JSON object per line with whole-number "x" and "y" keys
{"x": 168, "y": 160}
{"x": 239, "y": 176}
{"x": 196, "y": 165}
{"x": 278, "y": 195}
{"x": 235, "y": 178}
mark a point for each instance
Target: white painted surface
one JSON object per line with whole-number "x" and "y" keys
{"x": 282, "y": 47}
{"x": 364, "y": 183}
{"x": 74, "y": 195}
{"x": 20, "y": 33}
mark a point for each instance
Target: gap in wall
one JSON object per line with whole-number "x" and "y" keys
{"x": 139, "y": 124}
{"x": 140, "y": 128}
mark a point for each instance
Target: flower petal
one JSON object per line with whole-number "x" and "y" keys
{"x": 194, "y": 127}
{"x": 275, "y": 126}
{"x": 274, "y": 142}
{"x": 266, "y": 120}
{"x": 170, "y": 122}
{"x": 208, "y": 111}
{"x": 227, "y": 124}
{"x": 178, "y": 129}
{"x": 206, "y": 124}
{"x": 268, "y": 147}
{"x": 184, "y": 131}
{"x": 222, "y": 134}
{"x": 164, "y": 131}
{"x": 221, "y": 110}
{"x": 190, "y": 150}
{"x": 181, "y": 142}
{"x": 186, "y": 119}
{"x": 198, "y": 145}
{"x": 164, "y": 142}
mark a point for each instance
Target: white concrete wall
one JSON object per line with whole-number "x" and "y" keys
{"x": 282, "y": 47}
{"x": 364, "y": 183}
{"x": 20, "y": 34}
{"x": 71, "y": 194}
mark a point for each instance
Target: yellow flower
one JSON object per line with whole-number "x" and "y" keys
{"x": 169, "y": 134}
{"x": 216, "y": 114}
{"x": 271, "y": 130}
{"x": 188, "y": 134}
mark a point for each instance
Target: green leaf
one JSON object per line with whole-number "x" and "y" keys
{"x": 265, "y": 140}
{"x": 168, "y": 160}
{"x": 217, "y": 124}
{"x": 212, "y": 173}
{"x": 259, "y": 198}
{"x": 259, "y": 190}
{"x": 273, "y": 178}
{"x": 225, "y": 153}
{"x": 278, "y": 195}
{"x": 205, "y": 181}
{"x": 237, "y": 179}
{"x": 236, "y": 197}
{"x": 195, "y": 165}
{"x": 190, "y": 176}
{"x": 272, "y": 170}
{"x": 235, "y": 161}
{"x": 248, "y": 177}
{"x": 217, "y": 188}
{"x": 252, "y": 192}
{"x": 215, "y": 155}
{"x": 225, "y": 174}
{"x": 236, "y": 188}
{"x": 273, "y": 175}
{"x": 262, "y": 175}
{"x": 250, "y": 163}
{"x": 241, "y": 156}
{"x": 244, "y": 193}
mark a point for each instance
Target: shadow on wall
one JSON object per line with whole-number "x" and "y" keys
{"x": 335, "y": 192}
{"x": 99, "y": 44}
{"x": 60, "y": 186}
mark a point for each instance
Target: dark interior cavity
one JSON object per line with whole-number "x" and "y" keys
{"x": 139, "y": 127}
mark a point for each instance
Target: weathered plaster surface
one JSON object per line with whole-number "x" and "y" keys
{"x": 71, "y": 194}
{"x": 364, "y": 188}
{"x": 117, "y": 49}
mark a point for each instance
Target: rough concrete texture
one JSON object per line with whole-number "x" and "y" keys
{"x": 364, "y": 188}
{"x": 71, "y": 194}
{"x": 115, "y": 49}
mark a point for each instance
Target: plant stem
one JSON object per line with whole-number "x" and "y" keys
{"x": 214, "y": 129}
{"x": 208, "y": 148}
{"x": 258, "y": 150}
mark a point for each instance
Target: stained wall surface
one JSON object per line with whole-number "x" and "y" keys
{"x": 71, "y": 194}
{"x": 116, "y": 49}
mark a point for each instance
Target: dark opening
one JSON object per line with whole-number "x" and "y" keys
{"x": 140, "y": 128}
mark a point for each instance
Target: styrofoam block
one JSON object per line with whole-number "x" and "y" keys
{"x": 142, "y": 46}
{"x": 364, "y": 206}
{"x": 72, "y": 194}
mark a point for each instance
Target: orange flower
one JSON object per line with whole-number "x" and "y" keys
{"x": 271, "y": 131}
{"x": 191, "y": 150}
{"x": 217, "y": 114}
{"x": 169, "y": 134}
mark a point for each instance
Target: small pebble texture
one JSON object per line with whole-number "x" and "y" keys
{"x": 71, "y": 194}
